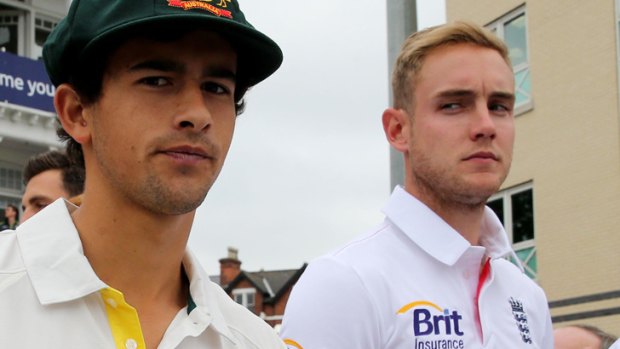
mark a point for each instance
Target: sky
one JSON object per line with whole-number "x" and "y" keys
{"x": 308, "y": 168}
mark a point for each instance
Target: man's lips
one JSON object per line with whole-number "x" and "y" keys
{"x": 186, "y": 152}
{"x": 482, "y": 155}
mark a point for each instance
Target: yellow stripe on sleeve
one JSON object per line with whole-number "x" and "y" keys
{"x": 293, "y": 343}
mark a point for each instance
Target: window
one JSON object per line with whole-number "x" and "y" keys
{"x": 512, "y": 28}
{"x": 11, "y": 180}
{"x": 245, "y": 297}
{"x": 515, "y": 209}
{"x": 10, "y": 187}
{"x": 23, "y": 30}
{"x": 10, "y": 31}
{"x": 42, "y": 29}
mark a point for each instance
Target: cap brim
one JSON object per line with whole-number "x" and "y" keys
{"x": 258, "y": 55}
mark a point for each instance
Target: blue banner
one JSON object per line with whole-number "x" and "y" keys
{"x": 24, "y": 82}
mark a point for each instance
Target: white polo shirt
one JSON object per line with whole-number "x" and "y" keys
{"x": 51, "y": 298}
{"x": 412, "y": 283}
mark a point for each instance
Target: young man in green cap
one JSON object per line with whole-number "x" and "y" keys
{"x": 147, "y": 96}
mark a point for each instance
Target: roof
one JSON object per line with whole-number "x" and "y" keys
{"x": 272, "y": 284}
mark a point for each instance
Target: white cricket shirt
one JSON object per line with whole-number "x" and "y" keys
{"x": 50, "y": 297}
{"x": 413, "y": 283}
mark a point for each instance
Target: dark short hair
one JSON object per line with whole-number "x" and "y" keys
{"x": 72, "y": 173}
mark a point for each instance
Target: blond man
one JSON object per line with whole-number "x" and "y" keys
{"x": 433, "y": 274}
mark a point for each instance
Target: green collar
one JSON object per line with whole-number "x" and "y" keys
{"x": 191, "y": 305}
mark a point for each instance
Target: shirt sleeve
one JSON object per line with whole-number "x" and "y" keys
{"x": 542, "y": 315}
{"x": 548, "y": 336}
{"x": 616, "y": 345}
{"x": 329, "y": 307}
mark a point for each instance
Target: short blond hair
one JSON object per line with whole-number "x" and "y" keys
{"x": 418, "y": 45}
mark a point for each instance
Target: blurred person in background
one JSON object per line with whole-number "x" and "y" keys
{"x": 582, "y": 336}
{"x": 11, "y": 217}
{"x": 47, "y": 177}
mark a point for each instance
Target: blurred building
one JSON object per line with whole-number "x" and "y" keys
{"x": 561, "y": 202}
{"x": 27, "y": 118}
{"x": 265, "y": 293}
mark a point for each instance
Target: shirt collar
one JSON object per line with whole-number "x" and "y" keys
{"x": 204, "y": 294}
{"x": 54, "y": 257}
{"x": 493, "y": 236}
{"x": 429, "y": 231}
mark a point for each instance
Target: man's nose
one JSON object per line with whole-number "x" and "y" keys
{"x": 193, "y": 112}
{"x": 482, "y": 123}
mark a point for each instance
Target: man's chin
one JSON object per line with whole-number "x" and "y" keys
{"x": 178, "y": 202}
{"x": 179, "y": 207}
{"x": 486, "y": 184}
{"x": 478, "y": 195}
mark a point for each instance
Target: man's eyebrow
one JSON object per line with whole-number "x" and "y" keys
{"x": 470, "y": 93}
{"x": 172, "y": 66}
{"x": 503, "y": 95}
{"x": 36, "y": 198}
{"x": 164, "y": 65}
{"x": 455, "y": 93}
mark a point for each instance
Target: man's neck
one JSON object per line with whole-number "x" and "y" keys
{"x": 465, "y": 219}
{"x": 140, "y": 254}
{"x": 135, "y": 251}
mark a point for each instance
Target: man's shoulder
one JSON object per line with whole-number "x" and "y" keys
{"x": 508, "y": 271}
{"x": 351, "y": 276}
{"x": 515, "y": 281}
{"x": 335, "y": 294}
{"x": 373, "y": 241}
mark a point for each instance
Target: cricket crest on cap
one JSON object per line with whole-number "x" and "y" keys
{"x": 217, "y": 9}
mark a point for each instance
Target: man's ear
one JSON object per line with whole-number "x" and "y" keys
{"x": 71, "y": 113}
{"x": 396, "y": 125}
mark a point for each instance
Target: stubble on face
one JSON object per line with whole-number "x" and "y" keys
{"x": 157, "y": 197}
{"x": 447, "y": 190}
{"x": 155, "y": 192}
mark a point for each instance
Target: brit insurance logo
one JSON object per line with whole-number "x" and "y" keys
{"x": 434, "y": 326}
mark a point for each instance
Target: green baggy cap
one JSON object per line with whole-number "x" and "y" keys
{"x": 90, "y": 24}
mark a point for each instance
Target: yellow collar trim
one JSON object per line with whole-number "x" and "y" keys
{"x": 123, "y": 319}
